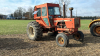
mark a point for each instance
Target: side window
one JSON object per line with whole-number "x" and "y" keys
{"x": 39, "y": 12}
{"x": 44, "y": 11}
{"x": 57, "y": 12}
{"x": 51, "y": 10}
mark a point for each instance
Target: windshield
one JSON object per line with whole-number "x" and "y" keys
{"x": 53, "y": 10}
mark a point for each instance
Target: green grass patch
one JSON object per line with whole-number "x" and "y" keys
{"x": 19, "y": 26}
{"x": 13, "y": 26}
{"x": 84, "y": 25}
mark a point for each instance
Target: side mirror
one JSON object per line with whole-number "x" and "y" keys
{"x": 34, "y": 12}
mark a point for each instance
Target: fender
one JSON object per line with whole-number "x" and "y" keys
{"x": 97, "y": 20}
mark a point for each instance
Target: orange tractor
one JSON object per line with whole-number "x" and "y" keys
{"x": 48, "y": 19}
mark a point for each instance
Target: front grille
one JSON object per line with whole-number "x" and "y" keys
{"x": 77, "y": 24}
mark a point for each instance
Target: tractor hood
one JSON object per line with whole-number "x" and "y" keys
{"x": 69, "y": 22}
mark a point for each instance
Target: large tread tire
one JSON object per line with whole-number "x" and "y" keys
{"x": 93, "y": 29}
{"x": 62, "y": 40}
{"x": 79, "y": 36}
{"x": 34, "y": 30}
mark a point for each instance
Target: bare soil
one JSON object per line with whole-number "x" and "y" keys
{"x": 21, "y": 45}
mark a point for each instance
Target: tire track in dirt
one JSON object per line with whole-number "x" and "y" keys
{"x": 20, "y": 45}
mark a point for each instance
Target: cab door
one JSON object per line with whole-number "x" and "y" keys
{"x": 44, "y": 16}
{"x": 51, "y": 15}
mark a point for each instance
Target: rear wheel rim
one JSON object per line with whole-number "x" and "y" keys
{"x": 97, "y": 30}
{"x": 31, "y": 32}
{"x": 61, "y": 40}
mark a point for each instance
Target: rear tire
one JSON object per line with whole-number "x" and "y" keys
{"x": 79, "y": 36}
{"x": 95, "y": 29}
{"x": 34, "y": 31}
{"x": 62, "y": 40}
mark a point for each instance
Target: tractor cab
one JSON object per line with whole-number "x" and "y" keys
{"x": 45, "y": 13}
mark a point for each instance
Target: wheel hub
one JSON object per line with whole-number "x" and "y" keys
{"x": 31, "y": 31}
{"x": 61, "y": 40}
{"x": 97, "y": 29}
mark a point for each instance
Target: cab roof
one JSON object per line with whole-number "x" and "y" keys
{"x": 47, "y": 5}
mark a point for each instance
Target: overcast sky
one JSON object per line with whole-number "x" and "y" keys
{"x": 83, "y": 7}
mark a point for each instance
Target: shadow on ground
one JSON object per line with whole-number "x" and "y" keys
{"x": 88, "y": 38}
{"x": 91, "y": 39}
{"x": 47, "y": 38}
{"x": 14, "y": 43}
{"x": 18, "y": 43}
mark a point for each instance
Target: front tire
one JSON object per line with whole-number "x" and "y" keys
{"x": 34, "y": 31}
{"x": 62, "y": 40}
{"x": 95, "y": 29}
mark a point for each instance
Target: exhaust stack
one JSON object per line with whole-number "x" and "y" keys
{"x": 63, "y": 10}
{"x": 71, "y": 11}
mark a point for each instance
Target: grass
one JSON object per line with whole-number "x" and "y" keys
{"x": 19, "y": 26}
{"x": 13, "y": 26}
{"x": 84, "y": 25}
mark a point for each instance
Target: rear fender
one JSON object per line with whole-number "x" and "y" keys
{"x": 98, "y": 20}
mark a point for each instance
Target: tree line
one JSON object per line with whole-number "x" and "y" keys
{"x": 20, "y": 13}
{"x": 87, "y": 17}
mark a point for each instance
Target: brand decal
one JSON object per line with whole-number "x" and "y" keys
{"x": 62, "y": 20}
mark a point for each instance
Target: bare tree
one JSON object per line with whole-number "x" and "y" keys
{"x": 60, "y": 2}
{"x": 30, "y": 9}
{"x": 19, "y": 12}
{"x": 11, "y": 15}
{"x": 16, "y": 13}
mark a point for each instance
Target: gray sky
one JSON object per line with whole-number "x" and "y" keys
{"x": 83, "y": 7}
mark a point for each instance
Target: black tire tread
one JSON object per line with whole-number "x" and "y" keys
{"x": 38, "y": 30}
{"x": 81, "y": 35}
{"x": 92, "y": 27}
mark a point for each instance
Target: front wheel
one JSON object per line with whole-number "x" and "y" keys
{"x": 79, "y": 36}
{"x": 62, "y": 40}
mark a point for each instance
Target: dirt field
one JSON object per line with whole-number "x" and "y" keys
{"x": 20, "y": 45}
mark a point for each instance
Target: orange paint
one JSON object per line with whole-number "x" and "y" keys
{"x": 69, "y": 22}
